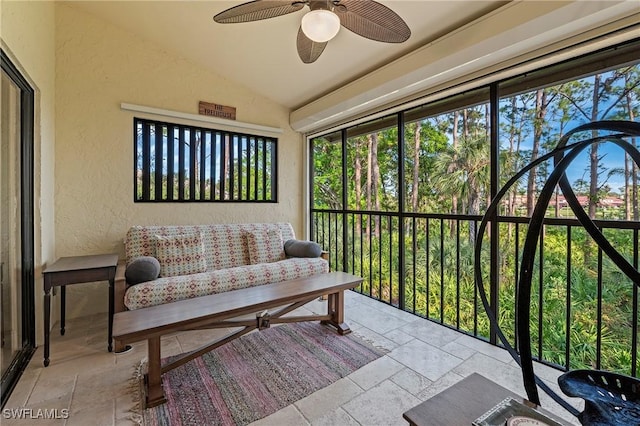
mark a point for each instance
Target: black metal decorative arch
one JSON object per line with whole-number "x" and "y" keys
{"x": 610, "y": 399}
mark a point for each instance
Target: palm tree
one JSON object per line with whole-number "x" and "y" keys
{"x": 464, "y": 171}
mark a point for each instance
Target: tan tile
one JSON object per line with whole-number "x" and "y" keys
{"x": 137, "y": 353}
{"x": 126, "y": 422}
{"x": 317, "y": 306}
{"x": 66, "y": 363}
{"x": 485, "y": 348}
{"x": 425, "y": 359}
{"x": 23, "y": 389}
{"x": 504, "y": 374}
{"x": 399, "y": 337}
{"x": 374, "y": 338}
{"x": 460, "y": 351}
{"x": 58, "y": 406}
{"x": 381, "y": 405}
{"x": 375, "y": 372}
{"x": 99, "y": 322}
{"x": 52, "y": 388}
{"x": 439, "y": 385}
{"x": 430, "y": 332}
{"x": 375, "y": 318}
{"x": 98, "y": 340}
{"x": 335, "y": 417}
{"x": 411, "y": 381}
{"x": 170, "y": 346}
{"x": 108, "y": 386}
{"x": 72, "y": 327}
{"x": 327, "y": 399}
{"x": 72, "y": 346}
{"x": 288, "y": 416}
{"x": 99, "y": 412}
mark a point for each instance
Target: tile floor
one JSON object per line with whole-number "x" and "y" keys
{"x": 423, "y": 359}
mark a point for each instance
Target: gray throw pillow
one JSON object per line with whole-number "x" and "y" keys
{"x": 142, "y": 269}
{"x": 299, "y": 248}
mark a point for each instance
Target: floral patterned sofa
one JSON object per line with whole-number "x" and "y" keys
{"x": 211, "y": 259}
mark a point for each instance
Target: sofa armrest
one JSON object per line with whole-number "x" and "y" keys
{"x": 120, "y": 287}
{"x": 325, "y": 255}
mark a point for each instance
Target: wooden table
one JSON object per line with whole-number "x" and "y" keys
{"x": 76, "y": 270}
{"x": 222, "y": 311}
{"x": 462, "y": 403}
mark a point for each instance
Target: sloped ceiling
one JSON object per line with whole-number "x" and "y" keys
{"x": 262, "y": 55}
{"x": 449, "y": 38}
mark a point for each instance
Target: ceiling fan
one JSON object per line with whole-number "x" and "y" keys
{"x": 366, "y": 18}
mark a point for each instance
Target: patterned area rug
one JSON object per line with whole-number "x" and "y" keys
{"x": 257, "y": 375}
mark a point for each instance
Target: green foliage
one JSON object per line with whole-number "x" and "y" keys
{"x": 444, "y": 175}
{"x": 439, "y": 284}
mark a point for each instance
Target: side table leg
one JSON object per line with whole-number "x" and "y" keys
{"x": 63, "y": 307}
{"x": 111, "y": 300}
{"x": 47, "y": 320}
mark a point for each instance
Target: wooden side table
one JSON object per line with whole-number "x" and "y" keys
{"x": 76, "y": 270}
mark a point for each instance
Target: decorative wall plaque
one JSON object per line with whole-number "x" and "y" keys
{"x": 215, "y": 110}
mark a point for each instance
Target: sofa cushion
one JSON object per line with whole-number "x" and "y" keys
{"x": 180, "y": 254}
{"x": 265, "y": 246}
{"x": 171, "y": 289}
{"x": 225, "y": 244}
{"x": 142, "y": 269}
{"x": 299, "y": 248}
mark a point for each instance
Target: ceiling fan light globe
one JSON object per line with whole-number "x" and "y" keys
{"x": 320, "y": 25}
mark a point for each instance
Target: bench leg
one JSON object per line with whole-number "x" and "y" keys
{"x": 335, "y": 305}
{"x": 119, "y": 348}
{"x": 155, "y": 394}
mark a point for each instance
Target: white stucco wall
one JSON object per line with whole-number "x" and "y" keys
{"x": 28, "y": 37}
{"x": 99, "y": 66}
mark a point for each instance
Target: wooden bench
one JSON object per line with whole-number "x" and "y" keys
{"x": 222, "y": 310}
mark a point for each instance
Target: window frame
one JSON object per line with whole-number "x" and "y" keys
{"x": 214, "y": 160}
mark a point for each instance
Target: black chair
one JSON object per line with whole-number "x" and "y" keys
{"x": 610, "y": 398}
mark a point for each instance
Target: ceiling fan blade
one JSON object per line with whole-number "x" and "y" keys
{"x": 308, "y": 50}
{"x": 372, "y": 20}
{"x": 257, "y": 10}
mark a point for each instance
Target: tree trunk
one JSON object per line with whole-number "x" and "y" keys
{"x": 511, "y": 161}
{"x": 474, "y": 209}
{"x": 358, "y": 182}
{"x": 487, "y": 122}
{"x": 465, "y": 123}
{"x": 515, "y": 170}
{"x": 369, "y": 176}
{"x": 593, "y": 154}
{"x": 627, "y": 187}
{"x": 227, "y": 169}
{"x": 416, "y": 168}
{"x": 630, "y": 171}
{"x": 635, "y": 178}
{"x": 540, "y": 113}
{"x": 375, "y": 179}
{"x": 560, "y": 134}
{"x": 196, "y": 146}
{"x": 454, "y": 199}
